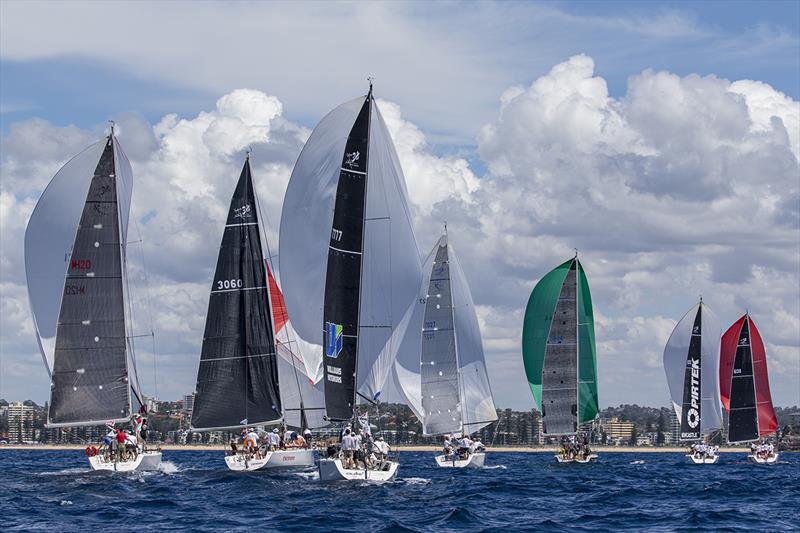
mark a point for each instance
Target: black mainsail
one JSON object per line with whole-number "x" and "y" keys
{"x": 691, "y": 405}
{"x": 90, "y": 383}
{"x": 237, "y": 381}
{"x": 743, "y": 416}
{"x": 343, "y": 278}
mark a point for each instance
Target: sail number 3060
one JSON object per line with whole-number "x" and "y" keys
{"x": 229, "y": 284}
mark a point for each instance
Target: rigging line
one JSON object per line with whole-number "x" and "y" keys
{"x": 148, "y": 300}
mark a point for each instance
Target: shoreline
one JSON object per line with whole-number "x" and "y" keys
{"x": 405, "y": 448}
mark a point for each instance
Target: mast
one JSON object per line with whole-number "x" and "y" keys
{"x": 577, "y": 346}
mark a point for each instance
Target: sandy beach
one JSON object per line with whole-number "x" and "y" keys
{"x": 496, "y": 449}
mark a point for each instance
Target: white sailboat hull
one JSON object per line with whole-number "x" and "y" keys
{"x": 703, "y": 459}
{"x": 332, "y": 470}
{"x": 770, "y": 459}
{"x": 588, "y": 459}
{"x": 145, "y": 461}
{"x": 272, "y": 460}
{"x": 474, "y": 460}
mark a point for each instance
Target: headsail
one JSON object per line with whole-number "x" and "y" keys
{"x": 86, "y": 348}
{"x": 350, "y": 265}
{"x": 744, "y": 383}
{"x": 238, "y": 375}
{"x": 691, "y": 363}
{"x": 558, "y": 349}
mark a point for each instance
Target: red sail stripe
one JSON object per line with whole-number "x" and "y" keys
{"x": 278, "y": 306}
{"x": 727, "y": 356}
{"x": 767, "y": 421}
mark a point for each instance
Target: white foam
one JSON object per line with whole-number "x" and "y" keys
{"x": 168, "y": 467}
{"x": 66, "y": 502}
{"x": 494, "y": 467}
{"x": 414, "y": 480}
{"x": 307, "y": 475}
{"x": 639, "y": 462}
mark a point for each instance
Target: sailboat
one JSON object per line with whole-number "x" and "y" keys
{"x": 350, "y": 265}
{"x": 76, "y": 269}
{"x": 241, "y": 378}
{"x": 446, "y": 384}
{"x": 558, "y": 349}
{"x": 744, "y": 388}
{"x": 691, "y": 363}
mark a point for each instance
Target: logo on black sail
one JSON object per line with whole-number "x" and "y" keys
{"x": 351, "y": 159}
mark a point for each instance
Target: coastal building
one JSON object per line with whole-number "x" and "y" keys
{"x": 674, "y": 427}
{"x": 21, "y": 422}
{"x": 188, "y": 402}
{"x": 617, "y": 431}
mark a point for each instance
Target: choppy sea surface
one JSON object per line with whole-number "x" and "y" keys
{"x": 55, "y": 491}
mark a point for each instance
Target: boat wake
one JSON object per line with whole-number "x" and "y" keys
{"x": 494, "y": 467}
{"x": 168, "y": 467}
{"x": 413, "y": 481}
{"x": 307, "y": 475}
{"x": 65, "y": 472}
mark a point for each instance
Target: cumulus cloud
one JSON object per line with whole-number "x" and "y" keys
{"x": 683, "y": 186}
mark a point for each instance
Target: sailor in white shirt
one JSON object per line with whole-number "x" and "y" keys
{"x": 348, "y": 448}
{"x": 274, "y": 439}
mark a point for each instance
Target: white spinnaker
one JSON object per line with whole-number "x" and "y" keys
{"x": 390, "y": 262}
{"x": 391, "y": 269}
{"x": 675, "y": 354}
{"x": 296, "y": 385}
{"x": 48, "y": 242}
{"x": 306, "y": 218}
{"x": 479, "y": 409}
{"x": 406, "y": 367}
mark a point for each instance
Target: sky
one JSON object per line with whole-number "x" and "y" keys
{"x": 662, "y": 140}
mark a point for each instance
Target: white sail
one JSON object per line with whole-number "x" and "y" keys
{"x": 391, "y": 264}
{"x": 298, "y": 390}
{"x": 676, "y": 352}
{"x": 464, "y": 347}
{"x": 479, "y": 409}
{"x": 48, "y": 242}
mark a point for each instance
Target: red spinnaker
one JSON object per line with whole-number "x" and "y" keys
{"x": 278, "y": 305}
{"x": 767, "y": 421}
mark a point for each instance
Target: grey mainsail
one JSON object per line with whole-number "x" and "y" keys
{"x": 439, "y": 373}
{"x": 560, "y": 371}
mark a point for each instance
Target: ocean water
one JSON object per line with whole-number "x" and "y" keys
{"x": 55, "y": 491}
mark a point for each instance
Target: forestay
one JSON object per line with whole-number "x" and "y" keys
{"x": 691, "y": 364}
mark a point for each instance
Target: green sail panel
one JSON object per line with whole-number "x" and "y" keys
{"x": 536, "y": 326}
{"x": 588, "y": 407}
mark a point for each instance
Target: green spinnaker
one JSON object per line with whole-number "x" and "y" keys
{"x": 536, "y": 328}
